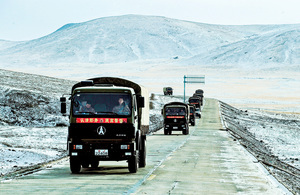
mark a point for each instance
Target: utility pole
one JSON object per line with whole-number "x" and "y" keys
{"x": 192, "y": 79}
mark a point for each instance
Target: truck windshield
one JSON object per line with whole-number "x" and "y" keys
{"x": 191, "y": 110}
{"x": 101, "y": 104}
{"x": 172, "y": 111}
{"x": 193, "y": 100}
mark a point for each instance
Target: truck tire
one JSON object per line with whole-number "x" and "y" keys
{"x": 165, "y": 132}
{"x": 142, "y": 153}
{"x": 74, "y": 165}
{"x": 132, "y": 164}
{"x": 85, "y": 165}
{"x": 186, "y": 130}
{"x": 95, "y": 164}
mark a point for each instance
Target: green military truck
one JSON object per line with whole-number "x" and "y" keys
{"x": 176, "y": 117}
{"x": 168, "y": 91}
{"x": 109, "y": 121}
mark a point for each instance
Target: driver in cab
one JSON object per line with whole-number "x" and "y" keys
{"x": 122, "y": 108}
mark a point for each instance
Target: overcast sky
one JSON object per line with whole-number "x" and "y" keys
{"x": 30, "y": 19}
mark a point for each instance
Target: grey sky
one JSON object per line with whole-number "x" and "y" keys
{"x": 30, "y": 19}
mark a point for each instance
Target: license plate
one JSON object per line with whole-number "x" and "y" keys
{"x": 175, "y": 127}
{"x": 101, "y": 152}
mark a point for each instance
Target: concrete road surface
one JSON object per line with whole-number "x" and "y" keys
{"x": 207, "y": 161}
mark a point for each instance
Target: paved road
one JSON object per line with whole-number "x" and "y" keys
{"x": 206, "y": 161}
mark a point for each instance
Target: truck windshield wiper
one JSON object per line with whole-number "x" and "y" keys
{"x": 107, "y": 113}
{"x": 91, "y": 113}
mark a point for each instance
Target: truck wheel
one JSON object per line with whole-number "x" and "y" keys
{"x": 75, "y": 165}
{"x": 170, "y": 132}
{"x": 85, "y": 165}
{"x": 186, "y": 130}
{"x": 142, "y": 153}
{"x": 165, "y": 132}
{"x": 94, "y": 164}
{"x": 132, "y": 164}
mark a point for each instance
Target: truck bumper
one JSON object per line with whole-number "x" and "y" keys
{"x": 175, "y": 127}
{"x": 102, "y": 151}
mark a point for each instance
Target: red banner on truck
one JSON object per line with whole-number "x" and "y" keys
{"x": 101, "y": 120}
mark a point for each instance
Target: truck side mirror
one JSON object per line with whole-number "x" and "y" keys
{"x": 141, "y": 102}
{"x": 162, "y": 111}
{"x": 63, "y": 105}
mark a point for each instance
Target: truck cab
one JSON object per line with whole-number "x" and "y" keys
{"x": 176, "y": 117}
{"x": 168, "y": 91}
{"x": 109, "y": 120}
{"x": 196, "y": 101}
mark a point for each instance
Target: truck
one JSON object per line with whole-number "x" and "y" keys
{"x": 108, "y": 121}
{"x": 196, "y": 101}
{"x": 192, "y": 117}
{"x": 176, "y": 117}
{"x": 199, "y": 93}
{"x": 168, "y": 91}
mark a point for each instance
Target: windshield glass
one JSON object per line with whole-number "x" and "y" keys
{"x": 193, "y": 100}
{"x": 171, "y": 111}
{"x": 199, "y": 91}
{"x": 191, "y": 109}
{"x": 101, "y": 104}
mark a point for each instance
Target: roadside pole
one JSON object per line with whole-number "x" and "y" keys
{"x": 192, "y": 79}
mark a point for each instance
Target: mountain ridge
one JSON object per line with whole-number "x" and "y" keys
{"x": 130, "y": 38}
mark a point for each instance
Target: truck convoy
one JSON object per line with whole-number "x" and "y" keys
{"x": 199, "y": 93}
{"x": 109, "y": 120}
{"x": 168, "y": 91}
{"x": 176, "y": 117}
{"x": 196, "y": 101}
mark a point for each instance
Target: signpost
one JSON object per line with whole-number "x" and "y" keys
{"x": 192, "y": 79}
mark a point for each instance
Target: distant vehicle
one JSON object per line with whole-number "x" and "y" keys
{"x": 109, "y": 120}
{"x": 168, "y": 91}
{"x": 176, "y": 117}
{"x": 192, "y": 114}
{"x": 199, "y": 93}
{"x": 196, "y": 101}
